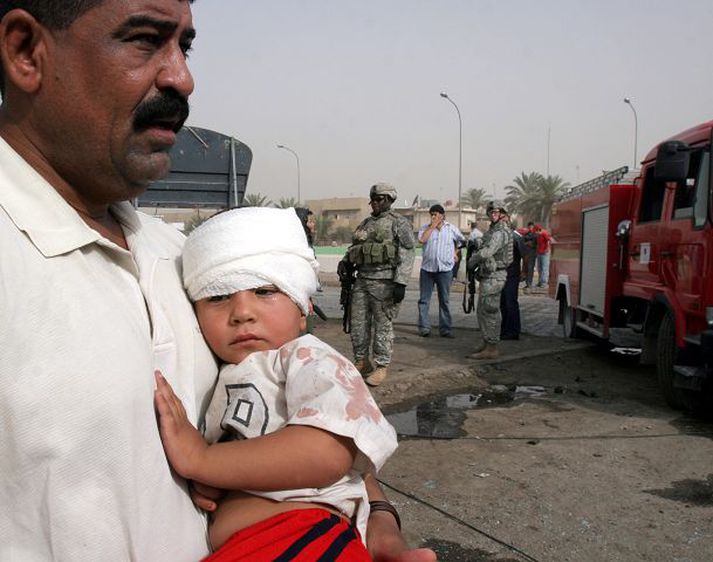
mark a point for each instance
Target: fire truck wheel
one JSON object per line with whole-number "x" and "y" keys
{"x": 665, "y": 356}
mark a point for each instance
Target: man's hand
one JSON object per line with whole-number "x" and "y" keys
{"x": 399, "y": 292}
{"x": 182, "y": 443}
{"x": 343, "y": 270}
{"x": 436, "y": 221}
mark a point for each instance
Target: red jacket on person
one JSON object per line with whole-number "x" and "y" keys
{"x": 543, "y": 241}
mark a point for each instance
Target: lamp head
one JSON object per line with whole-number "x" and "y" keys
{"x": 444, "y": 95}
{"x": 627, "y": 100}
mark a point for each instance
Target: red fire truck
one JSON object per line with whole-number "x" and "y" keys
{"x": 632, "y": 264}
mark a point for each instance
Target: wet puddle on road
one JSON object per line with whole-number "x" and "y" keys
{"x": 443, "y": 418}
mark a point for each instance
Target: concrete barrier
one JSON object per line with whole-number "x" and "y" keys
{"x": 328, "y": 269}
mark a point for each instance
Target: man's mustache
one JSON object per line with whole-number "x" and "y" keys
{"x": 167, "y": 106}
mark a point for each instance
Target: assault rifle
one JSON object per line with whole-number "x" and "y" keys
{"x": 346, "y": 272}
{"x": 318, "y": 311}
{"x": 471, "y": 273}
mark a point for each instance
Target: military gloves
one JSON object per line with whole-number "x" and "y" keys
{"x": 399, "y": 292}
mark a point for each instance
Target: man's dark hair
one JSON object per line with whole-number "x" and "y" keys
{"x": 53, "y": 14}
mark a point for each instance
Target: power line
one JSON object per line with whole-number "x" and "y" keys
{"x": 461, "y": 521}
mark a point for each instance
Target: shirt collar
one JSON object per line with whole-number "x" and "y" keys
{"x": 37, "y": 209}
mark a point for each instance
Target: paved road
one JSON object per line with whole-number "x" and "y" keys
{"x": 538, "y": 311}
{"x": 583, "y": 462}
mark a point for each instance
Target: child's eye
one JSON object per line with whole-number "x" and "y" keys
{"x": 218, "y": 298}
{"x": 267, "y": 291}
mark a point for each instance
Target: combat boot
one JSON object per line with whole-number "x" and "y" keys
{"x": 478, "y": 348}
{"x": 377, "y": 376}
{"x": 363, "y": 366}
{"x": 490, "y": 351}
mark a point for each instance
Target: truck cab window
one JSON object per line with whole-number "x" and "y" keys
{"x": 703, "y": 189}
{"x": 685, "y": 196}
{"x": 651, "y": 197}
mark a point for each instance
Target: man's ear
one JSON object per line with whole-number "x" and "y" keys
{"x": 23, "y": 49}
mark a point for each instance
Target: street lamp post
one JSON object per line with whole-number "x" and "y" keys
{"x": 288, "y": 149}
{"x": 460, "y": 155}
{"x": 636, "y": 126}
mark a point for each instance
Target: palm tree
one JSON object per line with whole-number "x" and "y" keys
{"x": 194, "y": 222}
{"x": 342, "y": 234}
{"x": 474, "y": 198}
{"x": 551, "y": 188}
{"x": 522, "y": 197}
{"x": 256, "y": 200}
{"x": 532, "y": 195}
{"x": 323, "y": 225}
{"x": 287, "y": 202}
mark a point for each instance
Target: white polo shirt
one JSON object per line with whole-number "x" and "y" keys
{"x": 83, "y": 325}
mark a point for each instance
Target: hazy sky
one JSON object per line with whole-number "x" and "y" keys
{"x": 353, "y": 87}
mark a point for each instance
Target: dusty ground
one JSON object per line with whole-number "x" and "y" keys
{"x": 595, "y": 468}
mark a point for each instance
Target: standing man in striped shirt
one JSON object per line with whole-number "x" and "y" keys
{"x": 439, "y": 239}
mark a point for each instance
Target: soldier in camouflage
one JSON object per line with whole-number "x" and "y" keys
{"x": 382, "y": 252}
{"x": 494, "y": 255}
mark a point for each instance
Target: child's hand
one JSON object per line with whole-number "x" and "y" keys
{"x": 205, "y": 497}
{"x": 183, "y": 443}
{"x": 386, "y": 543}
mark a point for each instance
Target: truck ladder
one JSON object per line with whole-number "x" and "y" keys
{"x": 605, "y": 180}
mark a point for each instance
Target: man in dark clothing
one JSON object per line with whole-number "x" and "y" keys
{"x": 529, "y": 254}
{"x": 509, "y": 305}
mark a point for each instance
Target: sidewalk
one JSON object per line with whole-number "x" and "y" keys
{"x": 422, "y": 367}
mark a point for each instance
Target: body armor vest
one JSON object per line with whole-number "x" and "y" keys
{"x": 373, "y": 243}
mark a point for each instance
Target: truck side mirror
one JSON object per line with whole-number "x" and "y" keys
{"x": 623, "y": 229}
{"x": 672, "y": 161}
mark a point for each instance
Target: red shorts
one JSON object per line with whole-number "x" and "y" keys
{"x": 303, "y": 535}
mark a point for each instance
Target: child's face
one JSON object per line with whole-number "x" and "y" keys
{"x": 254, "y": 320}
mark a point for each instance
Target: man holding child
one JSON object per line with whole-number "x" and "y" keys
{"x": 91, "y": 298}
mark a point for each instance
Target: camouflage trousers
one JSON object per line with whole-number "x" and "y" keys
{"x": 372, "y": 314}
{"x": 488, "y": 308}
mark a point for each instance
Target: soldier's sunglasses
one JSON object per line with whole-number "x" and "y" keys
{"x": 378, "y": 198}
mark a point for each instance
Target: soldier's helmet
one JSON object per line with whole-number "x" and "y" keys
{"x": 496, "y": 205}
{"x": 383, "y": 189}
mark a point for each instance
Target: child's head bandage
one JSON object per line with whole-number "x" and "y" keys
{"x": 249, "y": 248}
